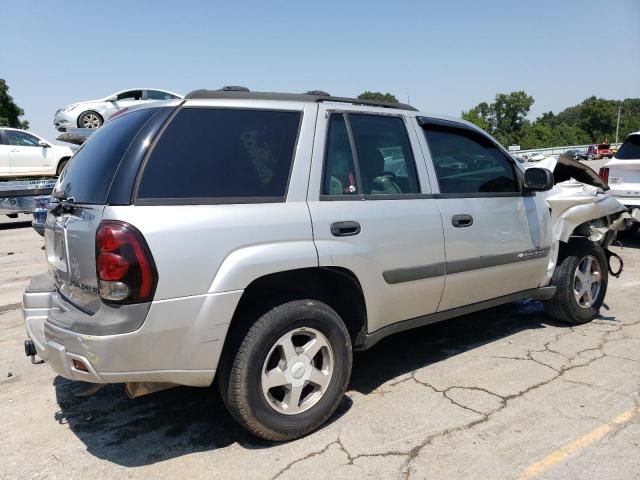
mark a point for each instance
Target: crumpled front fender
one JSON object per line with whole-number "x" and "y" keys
{"x": 573, "y": 204}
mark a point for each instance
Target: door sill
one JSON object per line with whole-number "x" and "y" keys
{"x": 369, "y": 340}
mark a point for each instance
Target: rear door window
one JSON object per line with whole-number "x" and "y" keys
{"x": 88, "y": 176}
{"x": 630, "y": 149}
{"x": 216, "y": 155}
{"x": 130, "y": 95}
{"x": 385, "y": 163}
{"x": 159, "y": 95}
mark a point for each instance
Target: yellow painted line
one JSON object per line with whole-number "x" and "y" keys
{"x": 573, "y": 446}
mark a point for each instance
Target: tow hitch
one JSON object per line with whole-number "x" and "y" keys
{"x": 30, "y": 351}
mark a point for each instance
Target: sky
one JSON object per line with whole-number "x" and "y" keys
{"x": 442, "y": 56}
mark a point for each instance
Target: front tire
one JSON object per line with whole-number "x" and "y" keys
{"x": 290, "y": 372}
{"x": 90, "y": 119}
{"x": 581, "y": 278}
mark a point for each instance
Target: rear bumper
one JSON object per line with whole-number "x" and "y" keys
{"x": 179, "y": 342}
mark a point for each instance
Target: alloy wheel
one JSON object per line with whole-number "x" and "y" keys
{"x": 587, "y": 281}
{"x": 297, "y": 371}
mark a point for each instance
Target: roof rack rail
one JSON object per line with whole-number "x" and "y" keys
{"x": 314, "y": 96}
{"x": 370, "y": 103}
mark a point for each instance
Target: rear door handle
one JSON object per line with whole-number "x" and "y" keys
{"x": 345, "y": 229}
{"x": 462, "y": 220}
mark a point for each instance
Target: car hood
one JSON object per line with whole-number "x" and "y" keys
{"x": 565, "y": 168}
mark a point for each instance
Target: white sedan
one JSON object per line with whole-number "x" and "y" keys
{"x": 93, "y": 113}
{"x": 24, "y": 154}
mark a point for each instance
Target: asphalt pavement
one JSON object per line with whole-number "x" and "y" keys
{"x": 502, "y": 394}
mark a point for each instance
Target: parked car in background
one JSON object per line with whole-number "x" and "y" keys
{"x": 535, "y": 157}
{"x": 25, "y": 154}
{"x": 574, "y": 154}
{"x": 601, "y": 150}
{"x": 93, "y": 113}
{"x": 622, "y": 173}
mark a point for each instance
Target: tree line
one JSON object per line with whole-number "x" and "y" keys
{"x": 591, "y": 121}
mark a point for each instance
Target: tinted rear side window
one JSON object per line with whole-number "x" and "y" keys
{"x": 630, "y": 149}
{"x": 222, "y": 155}
{"x": 90, "y": 172}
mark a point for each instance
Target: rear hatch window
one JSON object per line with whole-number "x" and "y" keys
{"x": 90, "y": 172}
{"x": 218, "y": 155}
{"x": 630, "y": 149}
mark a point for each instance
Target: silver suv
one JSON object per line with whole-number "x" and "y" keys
{"x": 259, "y": 238}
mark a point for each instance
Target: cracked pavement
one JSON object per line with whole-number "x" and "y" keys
{"x": 493, "y": 395}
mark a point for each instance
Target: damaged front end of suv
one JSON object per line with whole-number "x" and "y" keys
{"x": 581, "y": 207}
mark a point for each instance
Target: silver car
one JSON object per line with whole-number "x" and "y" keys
{"x": 93, "y": 113}
{"x": 260, "y": 238}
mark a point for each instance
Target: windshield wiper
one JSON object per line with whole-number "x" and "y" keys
{"x": 66, "y": 205}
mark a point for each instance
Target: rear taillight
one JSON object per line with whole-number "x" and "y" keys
{"x": 125, "y": 267}
{"x": 604, "y": 174}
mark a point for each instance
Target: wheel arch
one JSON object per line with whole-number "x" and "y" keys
{"x": 62, "y": 160}
{"x": 336, "y": 286}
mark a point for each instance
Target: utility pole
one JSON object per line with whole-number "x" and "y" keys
{"x": 618, "y": 124}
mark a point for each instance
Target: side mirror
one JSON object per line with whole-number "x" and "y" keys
{"x": 43, "y": 144}
{"x": 538, "y": 179}
{"x": 112, "y": 98}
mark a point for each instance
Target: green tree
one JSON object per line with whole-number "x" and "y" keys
{"x": 378, "y": 97}
{"x": 505, "y": 118}
{"x": 10, "y": 113}
{"x": 597, "y": 117}
{"x": 477, "y": 116}
{"x": 591, "y": 121}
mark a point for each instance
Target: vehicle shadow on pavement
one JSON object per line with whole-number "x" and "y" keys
{"x": 153, "y": 428}
{"x": 409, "y": 351}
{"x": 630, "y": 242}
{"x": 14, "y": 225}
{"x": 185, "y": 420}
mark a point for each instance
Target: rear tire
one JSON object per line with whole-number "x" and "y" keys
{"x": 271, "y": 387}
{"x": 581, "y": 277}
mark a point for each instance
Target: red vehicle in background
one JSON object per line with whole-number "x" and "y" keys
{"x": 596, "y": 152}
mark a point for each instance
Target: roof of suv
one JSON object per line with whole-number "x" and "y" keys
{"x": 314, "y": 96}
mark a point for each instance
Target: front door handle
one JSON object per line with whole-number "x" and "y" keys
{"x": 462, "y": 220}
{"x": 345, "y": 229}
